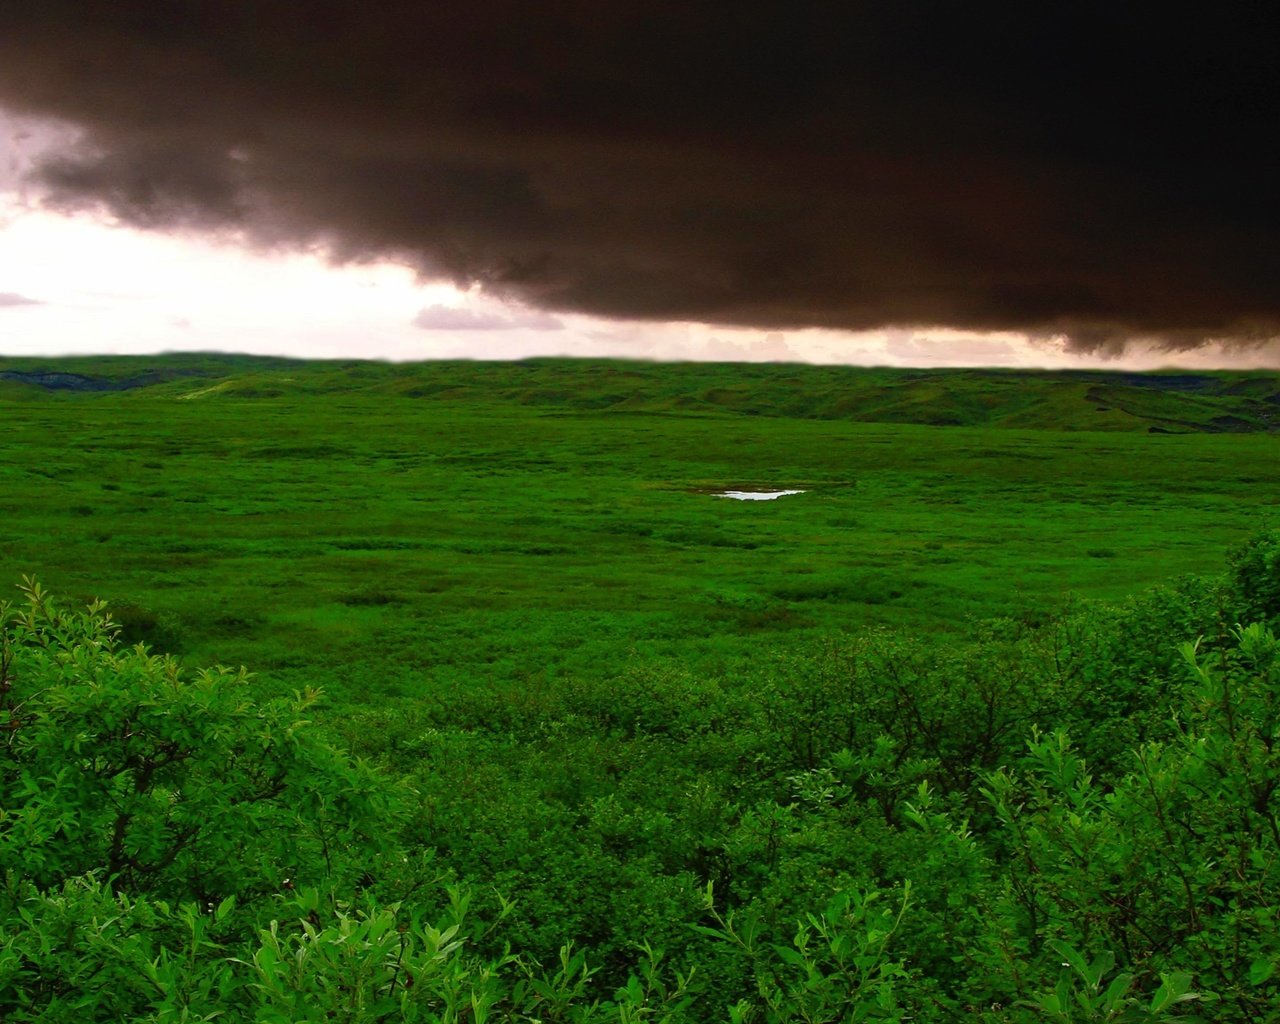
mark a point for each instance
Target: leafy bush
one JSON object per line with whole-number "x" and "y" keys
{"x": 115, "y": 761}
{"x": 1174, "y": 868}
{"x": 1255, "y": 577}
{"x": 173, "y": 850}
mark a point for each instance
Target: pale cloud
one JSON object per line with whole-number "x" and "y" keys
{"x": 9, "y": 300}
{"x": 460, "y": 318}
{"x": 769, "y": 348}
{"x": 1214, "y": 355}
{"x": 909, "y": 347}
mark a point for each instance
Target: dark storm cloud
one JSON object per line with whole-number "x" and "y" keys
{"x": 1086, "y": 169}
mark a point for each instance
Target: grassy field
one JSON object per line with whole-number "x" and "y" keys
{"x": 401, "y": 531}
{"x": 931, "y": 710}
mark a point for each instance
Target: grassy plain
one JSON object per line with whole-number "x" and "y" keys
{"x": 391, "y": 531}
{"x": 617, "y": 705}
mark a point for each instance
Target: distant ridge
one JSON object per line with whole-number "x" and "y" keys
{"x": 1167, "y": 402}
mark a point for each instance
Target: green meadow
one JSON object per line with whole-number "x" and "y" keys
{"x": 585, "y": 687}
{"x": 387, "y": 531}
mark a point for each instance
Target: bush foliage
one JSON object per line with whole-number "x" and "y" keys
{"x": 1071, "y": 818}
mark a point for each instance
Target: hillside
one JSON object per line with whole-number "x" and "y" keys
{"x": 1173, "y": 402}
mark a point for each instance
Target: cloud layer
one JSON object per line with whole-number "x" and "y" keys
{"x": 460, "y": 318}
{"x": 1078, "y": 170}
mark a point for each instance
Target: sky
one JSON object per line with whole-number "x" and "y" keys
{"x": 909, "y": 184}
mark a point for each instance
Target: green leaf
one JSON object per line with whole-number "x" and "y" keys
{"x": 1173, "y": 990}
{"x": 789, "y": 956}
{"x": 1100, "y": 968}
{"x": 1071, "y": 956}
{"x": 1116, "y": 991}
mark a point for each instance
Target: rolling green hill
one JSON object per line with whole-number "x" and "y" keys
{"x": 1176, "y": 402}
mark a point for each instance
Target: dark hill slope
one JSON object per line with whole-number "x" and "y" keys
{"x": 1219, "y": 402}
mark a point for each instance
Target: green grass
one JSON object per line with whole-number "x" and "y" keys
{"x": 1054, "y": 400}
{"x": 411, "y": 530}
{"x": 590, "y": 688}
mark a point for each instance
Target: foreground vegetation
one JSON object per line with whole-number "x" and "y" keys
{"x": 595, "y": 745}
{"x": 876, "y": 833}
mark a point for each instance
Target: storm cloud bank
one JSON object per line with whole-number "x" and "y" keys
{"x": 1085, "y": 170}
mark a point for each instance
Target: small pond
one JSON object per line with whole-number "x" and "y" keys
{"x": 755, "y": 495}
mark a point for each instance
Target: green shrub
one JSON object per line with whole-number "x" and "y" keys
{"x": 1255, "y": 577}
{"x": 115, "y": 761}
